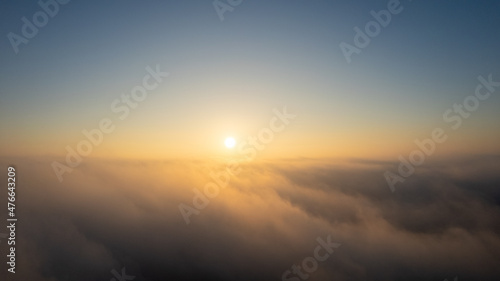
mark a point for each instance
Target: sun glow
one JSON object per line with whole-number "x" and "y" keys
{"x": 230, "y": 142}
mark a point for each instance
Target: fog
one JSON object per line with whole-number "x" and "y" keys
{"x": 110, "y": 215}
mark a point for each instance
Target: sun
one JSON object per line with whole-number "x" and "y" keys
{"x": 230, "y": 142}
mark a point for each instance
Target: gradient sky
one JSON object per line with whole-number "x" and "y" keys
{"x": 135, "y": 203}
{"x": 226, "y": 77}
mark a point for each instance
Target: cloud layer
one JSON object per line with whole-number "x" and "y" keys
{"x": 444, "y": 221}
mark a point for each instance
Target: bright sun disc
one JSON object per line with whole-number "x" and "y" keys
{"x": 230, "y": 142}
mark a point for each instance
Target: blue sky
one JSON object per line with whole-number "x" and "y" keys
{"x": 263, "y": 54}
